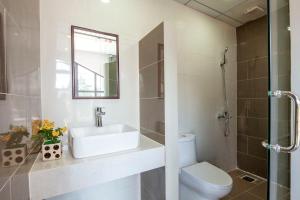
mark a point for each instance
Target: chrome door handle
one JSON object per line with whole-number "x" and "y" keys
{"x": 294, "y": 124}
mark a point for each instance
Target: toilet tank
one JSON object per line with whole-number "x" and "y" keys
{"x": 187, "y": 149}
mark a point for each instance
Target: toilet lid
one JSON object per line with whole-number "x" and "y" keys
{"x": 208, "y": 173}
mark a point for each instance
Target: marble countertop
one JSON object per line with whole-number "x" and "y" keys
{"x": 52, "y": 178}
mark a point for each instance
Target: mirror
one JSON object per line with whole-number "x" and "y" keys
{"x": 3, "y": 78}
{"x": 95, "y": 61}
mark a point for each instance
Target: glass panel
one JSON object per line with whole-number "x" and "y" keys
{"x": 279, "y": 123}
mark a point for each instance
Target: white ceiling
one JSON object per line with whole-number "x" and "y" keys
{"x": 233, "y": 12}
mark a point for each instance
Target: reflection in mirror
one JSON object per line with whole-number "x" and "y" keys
{"x": 3, "y": 80}
{"x": 95, "y": 59}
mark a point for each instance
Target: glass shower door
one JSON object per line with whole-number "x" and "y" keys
{"x": 283, "y": 104}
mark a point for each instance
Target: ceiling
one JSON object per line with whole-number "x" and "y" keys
{"x": 233, "y": 12}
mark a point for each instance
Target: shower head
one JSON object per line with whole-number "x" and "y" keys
{"x": 226, "y": 49}
{"x": 224, "y": 57}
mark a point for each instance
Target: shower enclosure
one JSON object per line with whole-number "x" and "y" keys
{"x": 283, "y": 138}
{"x": 268, "y": 115}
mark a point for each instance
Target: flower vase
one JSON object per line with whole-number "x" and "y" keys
{"x": 51, "y": 151}
{"x": 15, "y": 155}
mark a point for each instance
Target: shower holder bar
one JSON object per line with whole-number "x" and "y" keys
{"x": 224, "y": 116}
{"x": 295, "y": 142}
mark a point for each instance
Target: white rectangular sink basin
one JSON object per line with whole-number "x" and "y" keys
{"x": 93, "y": 141}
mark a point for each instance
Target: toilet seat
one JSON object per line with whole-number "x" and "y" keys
{"x": 208, "y": 175}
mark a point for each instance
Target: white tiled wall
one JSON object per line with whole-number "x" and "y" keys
{"x": 131, "y": 20}
{"x": 22, "y": 103}
{"x": 201, "y": 43}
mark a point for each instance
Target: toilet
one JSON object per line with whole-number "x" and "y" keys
{"x": 199, "y": 181}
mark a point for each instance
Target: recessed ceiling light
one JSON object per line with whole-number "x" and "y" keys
{"x": 105, "y": 1}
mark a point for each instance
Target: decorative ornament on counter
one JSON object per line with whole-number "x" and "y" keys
{"x": 15, "y": 150}
{"x": 52, "y": 147}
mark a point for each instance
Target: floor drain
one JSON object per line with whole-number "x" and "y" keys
{"x": 248, "y": 178}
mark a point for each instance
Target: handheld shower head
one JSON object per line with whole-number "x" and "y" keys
{"x": 226, "y": 49}
{"x": 224, "y": 57}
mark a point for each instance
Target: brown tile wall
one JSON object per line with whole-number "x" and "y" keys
{"x": 20, "y": 98}
{"x": 151, "y": 68}
{"x": 252, "y": 105}
{"x": 252, "y": 75}
{"x": 152, "y": 106}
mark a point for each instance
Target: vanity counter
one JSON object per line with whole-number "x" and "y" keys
{"x": 52, "y": 178}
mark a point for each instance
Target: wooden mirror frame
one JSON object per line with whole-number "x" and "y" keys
{"x": 74, "y": 77}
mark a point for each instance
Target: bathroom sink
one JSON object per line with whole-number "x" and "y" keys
{"x": 92, "y": 141}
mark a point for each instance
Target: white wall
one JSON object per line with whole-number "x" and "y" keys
{"x": 201, "y": 43}
{"x": 125, "y": 187}
{"x": 131, "y": 20}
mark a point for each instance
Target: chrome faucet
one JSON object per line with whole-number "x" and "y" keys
{"x": 226, "y": 116}
{"x": 98, "y": 114}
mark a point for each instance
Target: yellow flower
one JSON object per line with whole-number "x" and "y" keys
{"x": 19, "y": 129}
{"x": 5, "y": 138}
{"x": 47, "y": 124}
{"x": 55, "y": 133}
{"x": 64, "y": 129}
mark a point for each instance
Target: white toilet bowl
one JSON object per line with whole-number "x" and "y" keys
{"x": 200, "y": 181}
{"x": 204, "y": 181}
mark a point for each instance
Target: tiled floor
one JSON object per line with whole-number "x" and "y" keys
{"x": 243, "y": 190}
